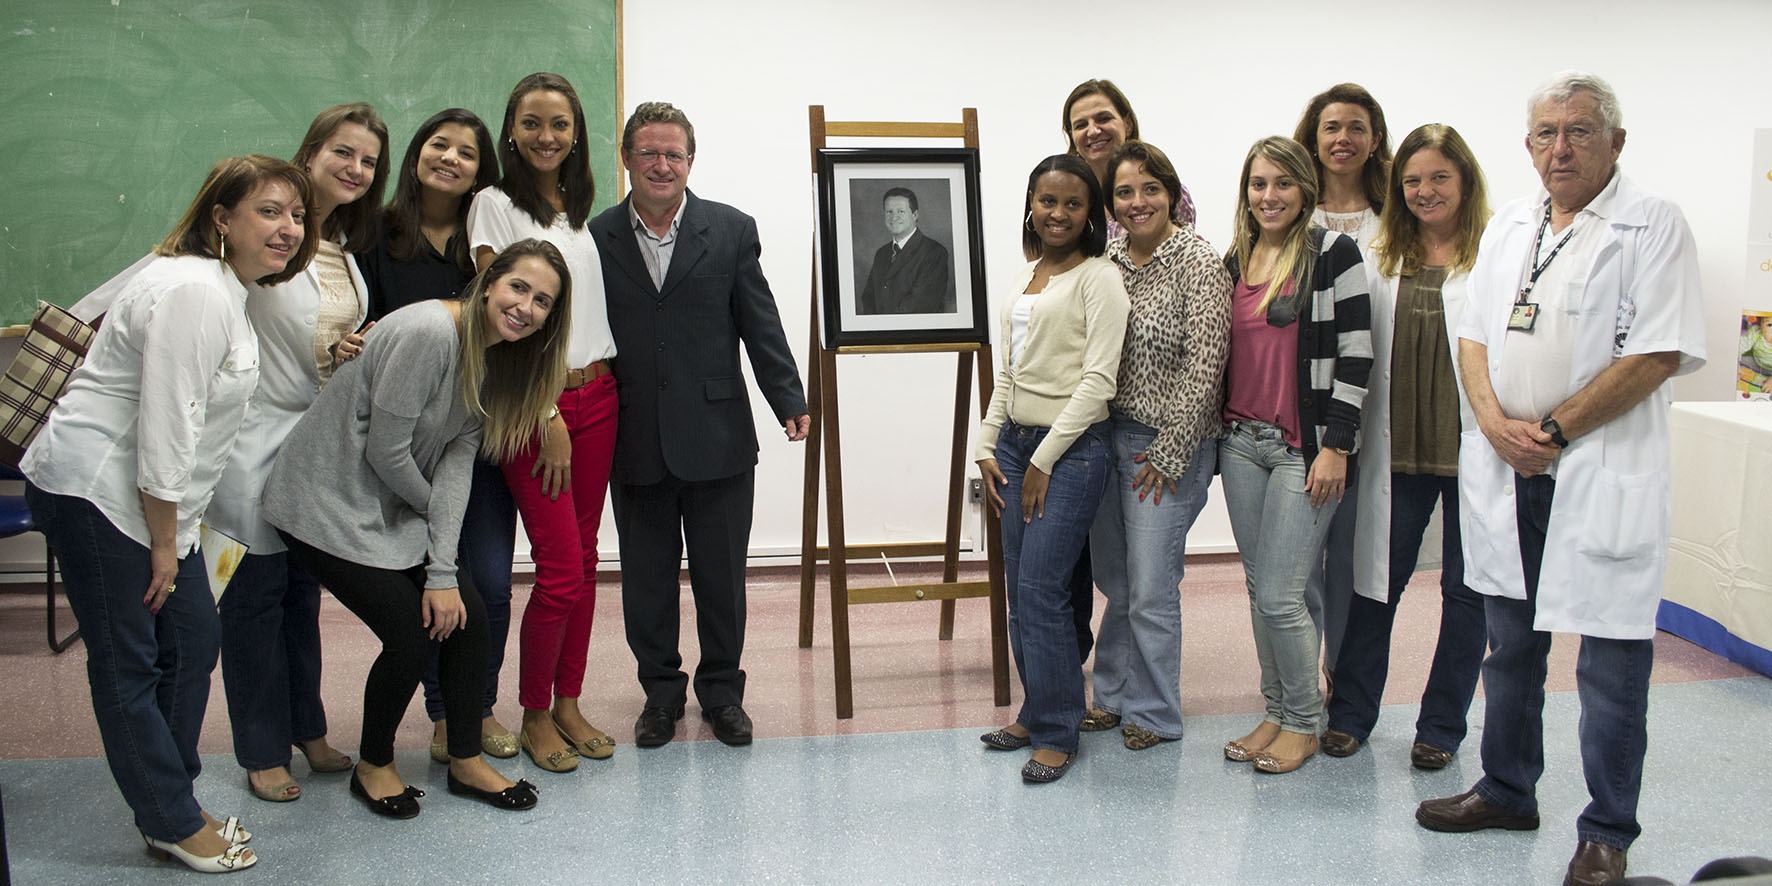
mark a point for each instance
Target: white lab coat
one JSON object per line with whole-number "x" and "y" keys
{"x": 284, "y": 316}
{"x": 1606, "y": 551}
{"x": 1372, "y": 528}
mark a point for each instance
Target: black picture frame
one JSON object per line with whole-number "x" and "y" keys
{"x": 875, "y": 295}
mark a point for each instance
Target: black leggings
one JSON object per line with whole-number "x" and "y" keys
{"x": 389, "y": 601}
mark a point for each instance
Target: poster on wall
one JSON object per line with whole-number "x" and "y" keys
{"x": 1754, "y": 357}
{"x": 1753, "y": 368}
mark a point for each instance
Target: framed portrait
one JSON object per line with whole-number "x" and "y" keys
{"x": 900, "y": 250}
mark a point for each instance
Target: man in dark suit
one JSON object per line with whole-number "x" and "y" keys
{"x": 911, "y": 272}
{"x": 684, "y": 288}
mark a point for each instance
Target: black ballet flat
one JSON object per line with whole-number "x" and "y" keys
{"x": 401, "y": 805}
{"x": 516, "y": 798}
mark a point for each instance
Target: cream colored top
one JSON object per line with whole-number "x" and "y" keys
{"x": 1065, "y": 372}
{"x": 340, "y": 305}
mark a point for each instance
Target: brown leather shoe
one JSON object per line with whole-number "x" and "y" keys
{"x": 1426, "y": 756}
{"x": 1594, "y": 863}
{"x": 1469, "y": 812}
{"x": 1339, "y": 744}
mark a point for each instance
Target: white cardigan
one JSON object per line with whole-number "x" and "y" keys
{"x": 284, "y": 316}
{"x": 1372, "y": 527}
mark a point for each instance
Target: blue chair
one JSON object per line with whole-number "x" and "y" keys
{"x": 15, "y": 519}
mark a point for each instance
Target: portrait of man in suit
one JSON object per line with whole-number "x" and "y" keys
{"x": 911, "y": 273}
{"x": 684, "y": 288}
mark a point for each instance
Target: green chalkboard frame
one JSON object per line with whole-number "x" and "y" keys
{"x": 115, "y": 109}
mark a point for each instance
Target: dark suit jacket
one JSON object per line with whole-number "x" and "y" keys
{"x": 683, "y": 403}
{"x": 916, "y": 282}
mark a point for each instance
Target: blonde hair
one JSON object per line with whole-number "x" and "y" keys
{"x": 512, "y": 386}
{"x": 1293, "y": 264}
{"x": 1398, "y": 244}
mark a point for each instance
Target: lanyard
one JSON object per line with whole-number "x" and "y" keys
{"x": 1537, "y": 244}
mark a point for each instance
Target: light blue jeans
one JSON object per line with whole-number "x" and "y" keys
{"x": 1280, "y": 536}
{"x": 1139, "y": 548}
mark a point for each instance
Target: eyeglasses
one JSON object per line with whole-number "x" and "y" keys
{"x": 675, "y": 158}
{"x": 1578, "y": 136}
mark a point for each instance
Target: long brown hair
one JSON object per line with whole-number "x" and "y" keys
{"x": 1372, "y": 175}
{"x": 405, "y": 213}
{"x": 1398, "y": 244}
{"x": 356, "y": 219}
{"x": 512, "y": 386}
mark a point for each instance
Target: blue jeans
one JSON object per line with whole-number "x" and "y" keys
{"x": 1038, "y": 556}
{"x": 270, "y": 617}
{"x": 1280, "y": 535}
{"x": 1612, "y": 679}
{"x": 1458, "y": 654}
{"x": 149, "y": 672}
{"x": 488, "y": 547}
{"x": 1330, "y": 589}
{"x": 1140, "y": 551}
{"x": 1082, "y": 591}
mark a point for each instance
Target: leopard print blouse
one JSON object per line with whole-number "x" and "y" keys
{"x": 1177, "y": 341}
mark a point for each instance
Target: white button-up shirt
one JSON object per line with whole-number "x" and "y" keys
{"x": 156, "y": 406}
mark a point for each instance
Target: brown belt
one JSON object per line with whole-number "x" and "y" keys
{"x": 578, "y": 378}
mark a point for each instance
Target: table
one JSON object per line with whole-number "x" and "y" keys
{"x": 1719, "y": 574}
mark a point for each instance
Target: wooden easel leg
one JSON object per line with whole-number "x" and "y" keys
{"x": 950, "y": 560}
{"x": 839, "y": 555}
{"x": 993, "y": 544}
{"x": 809, "y": 481}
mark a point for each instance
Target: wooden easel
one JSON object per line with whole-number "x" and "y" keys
{"x": 823, "y": 407}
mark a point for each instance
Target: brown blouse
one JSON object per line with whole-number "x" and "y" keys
{"x": 1424, "y": 390}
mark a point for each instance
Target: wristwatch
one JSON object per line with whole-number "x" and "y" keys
{"x": 1555, "y": 431}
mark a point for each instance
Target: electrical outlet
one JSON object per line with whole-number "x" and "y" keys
{"x": 975, "y": 490}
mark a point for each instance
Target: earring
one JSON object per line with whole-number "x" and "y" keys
{"x": 1089, "y": 230}
{"x": 1029, "y": 221}
{"x": 221, "y": 239}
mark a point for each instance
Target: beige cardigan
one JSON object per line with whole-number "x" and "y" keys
{"x": 1068, "y": 363}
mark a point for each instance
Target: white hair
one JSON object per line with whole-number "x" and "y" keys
{"x": 1560, "y": 88}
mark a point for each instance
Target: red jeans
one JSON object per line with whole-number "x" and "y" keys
{"x": 556, "y": 633}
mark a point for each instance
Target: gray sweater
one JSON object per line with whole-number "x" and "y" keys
{"x": 377, "y": 471}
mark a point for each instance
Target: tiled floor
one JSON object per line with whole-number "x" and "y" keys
{"x": 903, "y": 791}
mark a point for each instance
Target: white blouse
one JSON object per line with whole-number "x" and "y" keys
{"x": 156, "y": 406}
{"x": 495, "y": 222}
{"x": 287, "y": 318}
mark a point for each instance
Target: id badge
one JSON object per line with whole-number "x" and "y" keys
{"x": 1524, "y": 317}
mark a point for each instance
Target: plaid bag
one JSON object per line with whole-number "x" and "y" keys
{"x": 54, "y": 347}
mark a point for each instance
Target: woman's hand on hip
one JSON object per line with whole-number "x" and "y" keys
{"x": 993, "y": 478}
{"x": 443, "y": 611}
{"x": 554, "y": 463}
{"x": 1327, "y": 478}
{"x": 1151, "y": 481}
{"x": 162, "y": 572}
{"x": 1033, "y": 493}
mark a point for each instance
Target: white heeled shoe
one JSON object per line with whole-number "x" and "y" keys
{"x": 236, "y": 858}
{"x": 232, "y": 832}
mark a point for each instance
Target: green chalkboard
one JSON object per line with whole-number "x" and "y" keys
{"x": 115, "y": 109}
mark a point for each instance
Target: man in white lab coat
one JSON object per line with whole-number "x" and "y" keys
{"x": 1584, "y": 302}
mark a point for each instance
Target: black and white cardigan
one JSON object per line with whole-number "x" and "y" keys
{"x": 1334, "y": 342}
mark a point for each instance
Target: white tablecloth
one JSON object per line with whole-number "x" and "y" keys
{"x": 1719, "y": 576}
